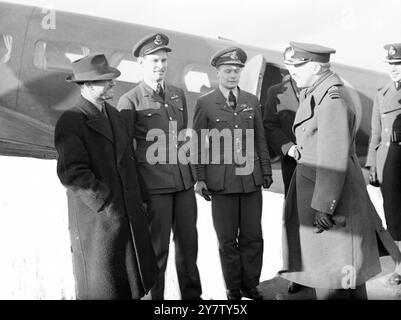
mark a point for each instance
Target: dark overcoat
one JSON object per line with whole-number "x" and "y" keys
{"x": 113, "y": 257}
{"x": 278, "y": 116}
{"x": 329, "y": 179}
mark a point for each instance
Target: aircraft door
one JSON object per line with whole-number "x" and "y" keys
{"x": 252, "y": 75}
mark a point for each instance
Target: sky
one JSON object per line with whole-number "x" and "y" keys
{"x": 357, "y": 29}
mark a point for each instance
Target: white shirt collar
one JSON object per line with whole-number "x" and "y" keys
{"x": 226, "y": 91}
{"x": 97, "y": 104}
{"x": 153, "y": 84}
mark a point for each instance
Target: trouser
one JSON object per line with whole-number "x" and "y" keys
{"x": 288, "y": 165}
{"x": 176, "y": 211}
{"x": 359, "y": 293}
{"x": 391, "y": 191}
{"x": 237, "y": 221}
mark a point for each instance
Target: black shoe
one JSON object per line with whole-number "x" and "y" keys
{"x": 234, "y": 294}
{"x": 253, "y": 294}
{"x": 294, "y": 287}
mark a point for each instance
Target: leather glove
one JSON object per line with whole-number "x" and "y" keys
{"x": 323, "y": 221}
{"x": 267, "y": 181}
{"x": 202, "y": 190}
{"x": 373, "y": 177}
{"x": 294, "y": 152}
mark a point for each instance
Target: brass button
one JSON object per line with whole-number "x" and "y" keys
{"x": 236, "y": 126}
{"x": 235, "y": 114}
{"x": 166, "y": 105}
{"x": 170, "y": 118}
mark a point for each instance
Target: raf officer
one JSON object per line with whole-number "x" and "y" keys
{"x": 235, "y": 194}
{"x": 278, "y": 118}
{"x": 384, "y": 155}
{"x": 154, "y": 104}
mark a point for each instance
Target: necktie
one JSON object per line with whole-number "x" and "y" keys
{"x": 159, "y": 90}
{"x": 231, "y": 99}
{"x": 104, "y": 110}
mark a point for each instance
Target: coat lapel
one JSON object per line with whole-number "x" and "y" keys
{"x": 242, "y": 102}
{"x": 308, "y": 104}
{"x": 288, "y": 98}
{"x": 391, "y": 99}
{"x": 221, "y": 101}
{"x": 149, "y": 93}
{"x": 120, "y": 135}
{"x": 168, "y": 94}
{"x": 305, "y": 110}
{"x": 96, "y": 120}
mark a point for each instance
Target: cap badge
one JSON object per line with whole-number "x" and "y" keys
{"x": 291, "y": 53}
{"x": 392, "y": 51}
{"x": 234, "y": 55}
{"x": 158, "y": 40}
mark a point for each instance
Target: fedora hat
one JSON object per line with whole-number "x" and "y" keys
{"x": 93, "y": 67}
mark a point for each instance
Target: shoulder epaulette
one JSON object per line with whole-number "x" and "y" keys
{"x": 334, "y": 93}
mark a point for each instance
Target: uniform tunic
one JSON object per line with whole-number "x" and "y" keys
{"x": 169, "y": 182}
{"x": 236, "y": 198}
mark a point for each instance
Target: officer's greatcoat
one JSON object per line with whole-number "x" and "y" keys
{"x": 329, "y": 179}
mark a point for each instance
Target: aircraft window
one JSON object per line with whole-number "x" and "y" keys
{"x": 57, "y": 55}
{"x": 130, "y": 70}
{"x": 6, "y": 45}
{"x": 197, "y": 78}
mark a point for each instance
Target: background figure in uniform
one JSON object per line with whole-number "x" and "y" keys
{"x": 330, "y": 225}
{"x": 384, "y": 155}
{"x": 156, "y": 105}
{"x": 278, "y": 118}
{"x": 112, "y": 252}
{"x": 236, "y": 196}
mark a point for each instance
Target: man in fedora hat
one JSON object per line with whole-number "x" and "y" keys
{"x": 160, "y": 109}
{"x": 112, "y": 252}
{"x": 236, "y": 194}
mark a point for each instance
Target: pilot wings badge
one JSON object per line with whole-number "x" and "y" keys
{"x": 246, "y": 108}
